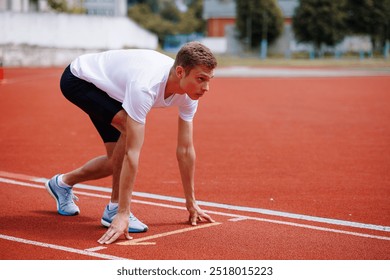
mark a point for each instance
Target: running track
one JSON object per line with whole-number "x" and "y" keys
{"x": 292, "y": 167}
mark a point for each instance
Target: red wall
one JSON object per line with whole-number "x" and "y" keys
{"x": 216, "y": 26}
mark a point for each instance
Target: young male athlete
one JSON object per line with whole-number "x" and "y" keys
{"x": 117, "y": 89}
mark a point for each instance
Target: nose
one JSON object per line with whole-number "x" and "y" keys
{"x": 205, "y": 86}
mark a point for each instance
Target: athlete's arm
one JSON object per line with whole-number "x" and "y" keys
{"x": 134, "y": 140}
{"x": 185, "y": 154}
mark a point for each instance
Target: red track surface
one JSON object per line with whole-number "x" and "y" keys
{"x": 312, "y": 146}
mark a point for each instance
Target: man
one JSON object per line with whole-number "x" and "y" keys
{"x": 117, "y": 89}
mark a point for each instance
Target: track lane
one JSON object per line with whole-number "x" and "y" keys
{"x": 315, "y": 146}
{"x": 249, "y": 233}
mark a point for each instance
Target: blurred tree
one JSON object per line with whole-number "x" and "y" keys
{"x": 144, "y": 16}
{"x": 196, "y": 11}
{"x": 61, "y": 6}
{"x": 58, "y": 5}
{"x": 192, "y": 21}
{"x": 257, "y": 20}
{"x": 153, "y": 4}
{"x": 370, "y": 17}
{"x": 168, "y": 20}
{"x": 170, "y": 12}
{"x": 320, "y": 22}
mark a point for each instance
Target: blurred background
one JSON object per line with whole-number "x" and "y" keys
{"x": 54, "y": 32}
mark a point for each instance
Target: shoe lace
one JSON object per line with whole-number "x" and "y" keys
{"x": 132, "y": 217}
{"x": 70, "y": 196}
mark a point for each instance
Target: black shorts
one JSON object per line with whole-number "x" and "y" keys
{"x": 100, "y": 107}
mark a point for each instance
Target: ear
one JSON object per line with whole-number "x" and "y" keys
{"x": 180, "y": 73}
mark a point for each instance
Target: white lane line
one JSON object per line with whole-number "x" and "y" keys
{"x": 245, "y": 209}
{"x": 224, "y": 214}
{"x": 243, "y": 217}
{"x": 61, "y": 248}
{"x": 139, "y": 241}
{"x": 237, "y": 219}
{"x": 95, "y": 249}
{"x": 14, "y": 182}
{"x": 17, "y": 176}
{"x": 301, "y": 225}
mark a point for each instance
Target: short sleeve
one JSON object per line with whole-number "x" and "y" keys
{"x": 188, "y": 110}
{"x": 137, "y": 102}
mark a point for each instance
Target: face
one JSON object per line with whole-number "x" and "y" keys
{"x": 196, "y": 83}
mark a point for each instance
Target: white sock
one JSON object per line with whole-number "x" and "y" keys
{"x": 112, "y": 205}
{"x": 61, "y": 182}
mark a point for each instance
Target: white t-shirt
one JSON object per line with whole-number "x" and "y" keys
{"x": 137, "y": 78}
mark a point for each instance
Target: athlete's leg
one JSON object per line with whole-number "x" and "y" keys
{"x": 102, "y": 111}
{"x": 94, "y": 169}
{"x": 105, "y": 165}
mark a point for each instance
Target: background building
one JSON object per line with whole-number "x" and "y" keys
{"x": 33, "y": 35}
{"x": 106, "y": 8}
{"x": 221, "y": 17}
{"x": 91, "y": 7}
{"x": 219, "y": 14}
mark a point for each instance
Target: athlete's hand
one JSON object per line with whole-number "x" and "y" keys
{"x": 197, "y": 215}
{"x": 119, "y": 226}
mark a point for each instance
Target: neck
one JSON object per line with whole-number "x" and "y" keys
{"x": 173, "y": 85}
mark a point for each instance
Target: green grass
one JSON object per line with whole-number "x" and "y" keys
{"x": 348, "y": 61}
{"x": 352, "y": 62}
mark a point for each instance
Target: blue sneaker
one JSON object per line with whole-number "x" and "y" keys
{"x": 135, "y": 225}
{"x": 63, "y": 196}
